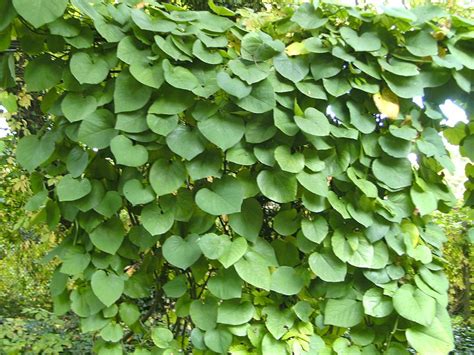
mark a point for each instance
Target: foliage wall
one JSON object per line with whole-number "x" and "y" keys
{"x": 227, "y": 190}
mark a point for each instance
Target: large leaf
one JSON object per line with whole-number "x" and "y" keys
{"x": 42, "y": 73}
{"x": 261, "y": 99}
{"x": 129, "y": 94}
{"x": 294, "y": 69}
{"x": 395, "y": 173}
{"x": 258, "y": 46}
{"x": 107, "y": 287}
{"x": 327, "y": 267}
{"x": 225, "y": 131}
{"x": 108, "y": 236}
{"x": 194, "y": 143}
{"x": 88, "y": 69}
{"x": 286, "y": 281}
{"x": 343, "y": 312}
{"x": 40, "y": 12}
{"x": 167, "y": 176}
{"x": 97, "y": 129}
{"x": 181, "y": 252}
{"x": 415, "y": 305}
{"x": 367, "y": 42}
{"x": 249, "y": 220}
{"x": 32, "y": 151}
{"x": 433, "y": 339}
{"x": 224, "y": 197}
{"x": 278, "y": 186}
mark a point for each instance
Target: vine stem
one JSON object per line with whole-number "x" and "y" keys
{"x": 395, "y": 326}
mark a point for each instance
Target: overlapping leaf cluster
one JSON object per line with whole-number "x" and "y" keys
{"x": 251, "y": 192}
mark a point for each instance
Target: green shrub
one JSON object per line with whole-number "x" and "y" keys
{"x": 227, "y": 190}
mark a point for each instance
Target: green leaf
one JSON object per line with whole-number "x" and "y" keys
{"x": 88, "y": 69}
{"x": 225, "y": 197}
{"x": 148, "y": 74}
{"x": 129, "y": 52}
{"x": 74, "y": 261}
{"x": 376, "y": 304}
{"x": 150, "y": 23}
{"x": 395, "y": 147}
{"x": 179, "y": 77}
{"x": 220, "y": 10}
{"x": 278, "y": 321}
{"x": 272, "y": 346}
{"x": 225, "y": 131}
{"x": 161, "y": 336}
{"x": 162, "y": 125}
{"x": 110, "y": 204}
{"x": 226, "y": 284}
{"x": 286, "y": 222}
{"x": 367, "y": 42}
{"x": 315, "y": 230}
{"x": 405, "y": 87}
{"x": 107, "y": 287}
{"x": 167, "y": 176}
{"x": 308, "y": 17}
{"x": 398, "y": 67}
{"x": 194, "y": 142}
{"x": 205, "y": 55}
{"x": 8, "y": 13}
{"x": 314, "y": 122}
{"x": 129, "y": 313}
{"x": 311, "y": 89}
{"x": 218, "y": 340}
{"x": 261, "y": 99}
{"x": 97, "y": 129}
{"x": 204, "y": 314}
{"x": 286, "y": 281}
{"x": 395, "y": 173}
{"x": 213, "y": 246}
{"x": 432, "y": 339}
{"x": 234, "y": 253}
{"x": 42, "y": 73}
{"x": 292, "y": 163}
{"x": 108, "y": 236}
{"x": 173, "y": 102}
{"x": 421, "y": 44}
{"x": 126, "y": 153}
{"x": 425, "y": 201}
{"x": 415, "y": 305}
{"x": 176, "y": 287}
{"x": 235, "y": 313}
{"x": 70, "y": 189}
{"x": 32, "y": 151}
{"x": 136, "y": 193}
{"x": 156, "y": 219}
{"x": 258, "y": 46}
{"x": 254, "y": 271}
{"x": 112, "y": 332}
{"x": 40, "y": 12}
{"x": 129, "y": 94}
{"x": 207, "y": 164}
{"x": 294, "y": 69}
{"x": 327, "y": 267}
{"x": 181, "y": 252}
{"x": 317, "y": 183}
{"x": 278, "y": 186}
{"x": 233, "y": 86}
{"x": 249, "y": 72}
{"x": 249, "y": 221}
{"x": 337, "y": 86}
{"x": 77, "y": 107}
{"x": 344, "y": 313}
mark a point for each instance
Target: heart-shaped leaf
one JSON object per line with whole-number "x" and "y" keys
{"x": 293, "y": 163}
{"x": 278, "y": 186}
{"x": 234, "y": 252}
{"x": 225, "y": 131}
{"x": 76, "y": 107}
{"x": 88, "y": 69}
{"x": 108, "y": 236}
{"x": 126, "y": 153}
{"x": 233, "y": 86}
{"x": 167, "y": 176}
{"x": 70, "y": 189}
{"x": 107, "y": 287}
{"x": 129, "y": 94}
{"x": 157, "y": 220}
{"x": 185, "y": 142}
{"x": 225, "y": 197}
{"x": 32, "y": 151}
{"x": 136, "y": 193}
{"x": 40, "y": 12}
{"x": 367, "y": 42}
{"x": 213, "y": 246}
{"x": 181, "y": 252}
{"x": 314, "y": 122}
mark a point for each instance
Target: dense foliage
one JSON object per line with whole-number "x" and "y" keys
{"x": 243, "y": 192}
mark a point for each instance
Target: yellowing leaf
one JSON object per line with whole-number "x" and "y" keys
{"x": 412, "y": 230}
{"x": 296, "y": 48}
{"x": 387, "y": 103}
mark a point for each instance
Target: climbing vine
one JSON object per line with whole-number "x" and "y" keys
{"x": 236, "y": 190}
